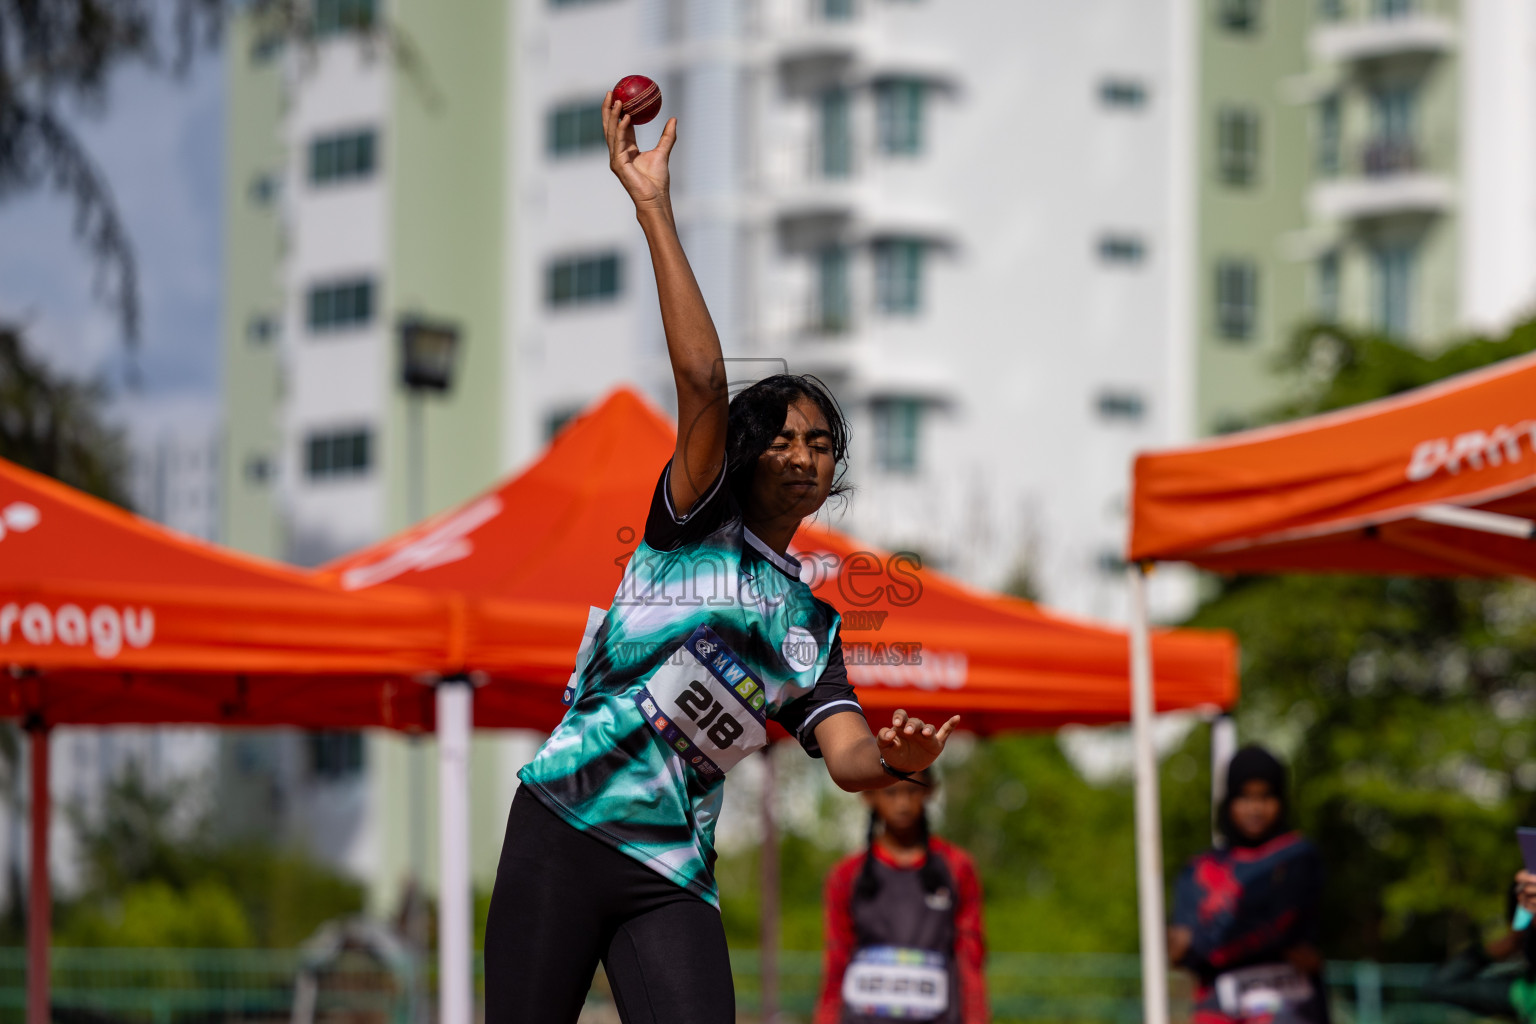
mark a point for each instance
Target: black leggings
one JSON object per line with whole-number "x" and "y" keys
{"x": 564, "y": 900}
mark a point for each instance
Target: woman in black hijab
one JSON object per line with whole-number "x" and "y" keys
{"x": 1246, "y": 911}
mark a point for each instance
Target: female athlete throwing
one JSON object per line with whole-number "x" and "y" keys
{"x": 609, "y": 851}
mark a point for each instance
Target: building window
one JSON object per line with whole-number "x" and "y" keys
{"x": 342, "y": 156}
{"x": 899, "y": 276}
{"x": 1237, "y": 146}
{"x": 336, "y": 16}
{"x": 1122, "y": 248}
{"x": 1110, "y": 562}
{"x": 1330, "y": 10}
{"x": 1238, "y": 15}
{"x": 1237, "y": 299}
{"x": 576, "y": 128}
{"x": 1121, "y": 405}
{"x": 898, "y": 423}
{"x": 1392, "y": 148}
{"x": 262, "y": 329}
{"x": 1122, "y": 92}
{"x": 834, "y": 305}
{"x": 1392, "y": 8}
{"x": 265, "y": 188}
{"x": 335, "y": 755}
{"x": 340, "y": 305}
{"x": 338, "y": 453}
{"x": 837, "y": 10}
{"x": 1330, "y": 136}
{"x": 258, "y": 469}
{"x": 836, "y": 134}
{"x": 1394, "y": 265}
{"x": 578, "y": 280}
{"x": 899, "y": 109}
{"x": 558, "y": 419}
{"x": 1327, "y": 306}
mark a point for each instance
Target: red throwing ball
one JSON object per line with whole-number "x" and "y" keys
{"x": 641, "y": 98}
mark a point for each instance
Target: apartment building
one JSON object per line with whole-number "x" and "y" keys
{"x": 365, "y": 188}
{"x": 1365, "y": 162}
{"x": 959, "y": 214}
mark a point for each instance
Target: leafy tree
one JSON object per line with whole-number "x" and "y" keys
{"x": 152, "y": 880}
{"x": 1403, "y": 704}
{"x": 57, "y": 57}
{"x": 53, "y": 425}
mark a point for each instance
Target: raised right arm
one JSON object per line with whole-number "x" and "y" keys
{"x": 698, "y": 367}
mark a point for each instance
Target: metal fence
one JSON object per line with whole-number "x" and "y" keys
{"x": 180, "y": 986}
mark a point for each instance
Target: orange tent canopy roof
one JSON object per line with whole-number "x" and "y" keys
{"x": 1436, "y": 481}
{"x": 532, "y": 554}
{"x": 108, "y": 618}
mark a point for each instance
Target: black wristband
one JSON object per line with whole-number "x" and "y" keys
{"x": 897, "y": 773}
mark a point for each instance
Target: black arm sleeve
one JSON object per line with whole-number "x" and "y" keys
{"x": 665, "y": 530}
{"x": 832, "y": 694}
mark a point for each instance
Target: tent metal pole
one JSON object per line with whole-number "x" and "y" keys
{"x": 1223, "y": 746}
{"x": 768, "y": 941}
{"x": 455, "y": 710}
{"x": 39, "y": 904}
{"x": 1149, "y": 840}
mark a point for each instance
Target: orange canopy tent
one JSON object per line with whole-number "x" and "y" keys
{"x": 1436, "y": 481}
{"x": 108, "y": 619}
{"x": 534, "y": 553}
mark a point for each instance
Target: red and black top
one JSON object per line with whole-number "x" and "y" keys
{"x": 903, "y": 914}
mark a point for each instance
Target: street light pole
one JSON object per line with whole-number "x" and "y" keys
{"x": 427, "y": 355}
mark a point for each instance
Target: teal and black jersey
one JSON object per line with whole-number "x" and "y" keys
{"x": 711, "y": 633}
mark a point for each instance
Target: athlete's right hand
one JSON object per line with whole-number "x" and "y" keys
{"x": 645, "y": 175}
{"x": 1525, "y": 890}
{"x": 909, "y": 744}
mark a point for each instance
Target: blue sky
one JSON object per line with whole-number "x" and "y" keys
{"x": 160, "y": 142}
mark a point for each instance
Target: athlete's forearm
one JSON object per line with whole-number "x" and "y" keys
{"x": 693, "y": 345}
{"x": 855, "y": 764}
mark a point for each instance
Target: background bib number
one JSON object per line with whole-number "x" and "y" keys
{"x": 706, "y": 704}
{"x": 901, "y": 984}
{"x": 1265, "y": 989}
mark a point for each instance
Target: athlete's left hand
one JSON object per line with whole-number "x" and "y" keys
{"x": 909, "y": 744}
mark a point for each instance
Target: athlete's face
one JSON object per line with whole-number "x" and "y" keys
{"x": 1255, "y": 809}
{"x": 899, "y": 807}
{"x": 794, "y": 475}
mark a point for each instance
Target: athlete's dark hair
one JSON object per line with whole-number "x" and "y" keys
{"x": 868, "y": 884}
{"x": 757, "y": 415}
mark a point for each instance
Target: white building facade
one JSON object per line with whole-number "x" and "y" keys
{"x": 960, "y": 215}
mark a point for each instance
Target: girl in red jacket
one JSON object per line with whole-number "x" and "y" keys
{"x": 903, "y": 930}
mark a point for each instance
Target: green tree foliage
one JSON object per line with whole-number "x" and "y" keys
{"x": 1404, "y": 705}
{"x": 154, "y": 880}
{"x": 57, "y": 60}
{"x": 54, "y": 425}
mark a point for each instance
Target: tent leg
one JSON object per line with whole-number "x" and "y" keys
{"x": 39, "y": 905}
{"x": 1223, "y": 746}
{"x": 455, "y": 710}
{"x": 1149, "y": 840}
{"x": 768, "y": 944}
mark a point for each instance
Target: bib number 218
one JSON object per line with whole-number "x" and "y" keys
{"x": 699, "y": 704}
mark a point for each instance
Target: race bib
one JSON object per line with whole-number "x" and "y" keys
{"x": 901, "y": 984}
{"x": 1262, "y": 990}
{"x": 706, "y": 704}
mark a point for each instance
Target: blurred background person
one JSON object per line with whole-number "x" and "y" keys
{"x": 1487, "y": 979}
{"x": 904, "y": 935}
{"x": 1246, "y": 911}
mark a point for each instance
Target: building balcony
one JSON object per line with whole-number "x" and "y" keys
{"x": 1379, "y": 38}
{"x": 1390, "y": 178}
